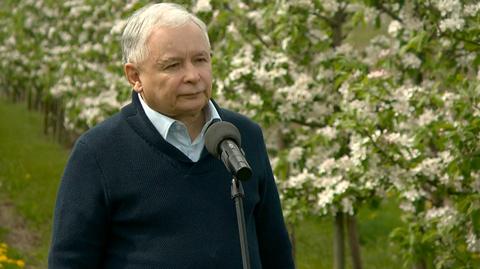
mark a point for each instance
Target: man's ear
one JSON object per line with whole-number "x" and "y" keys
{"x": 133, "y": 76}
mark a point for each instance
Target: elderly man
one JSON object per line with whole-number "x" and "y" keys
{"x": 141, "y": 191}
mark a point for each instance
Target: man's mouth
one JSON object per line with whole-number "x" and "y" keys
{"x": 193, "y": 94}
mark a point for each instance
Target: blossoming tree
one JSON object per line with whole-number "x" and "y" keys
{"x": 347, "y": 122}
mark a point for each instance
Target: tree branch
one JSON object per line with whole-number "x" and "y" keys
{"x": 387, "y": 11}
{"x": 382, "y": 152}
{"x": 255, "y": 33}
{"x": 328, "y": 20}
{"x": 264, "y": 43}
{"x": 467, "y": 41}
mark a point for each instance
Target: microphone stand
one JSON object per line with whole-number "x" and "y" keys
{"x": 237, "y": 196}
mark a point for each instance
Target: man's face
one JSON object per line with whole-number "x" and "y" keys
{"x": 176, "y": 77}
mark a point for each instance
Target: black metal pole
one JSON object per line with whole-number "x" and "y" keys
{"x": 237, "y": 196}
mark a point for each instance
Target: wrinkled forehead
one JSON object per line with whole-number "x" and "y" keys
{"x": 171, "y": 39}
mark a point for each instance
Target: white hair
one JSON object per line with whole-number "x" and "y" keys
{"x": 140, "y": 25}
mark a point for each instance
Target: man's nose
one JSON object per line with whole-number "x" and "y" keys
{"x": 192, "y": 73}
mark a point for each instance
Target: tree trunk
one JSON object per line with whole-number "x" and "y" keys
{"x": 420, "y": 264}
{"x": 53, "y": 114}
{"x": 46, "y": 110}
{"x": 29, "y": 99}
{"x": 338, "y": 242}
{"x": 38, "y": 100}
{"x": 59, "y": 121}
{"x": 336, "y": 24}
{"x": 354, "y": 242}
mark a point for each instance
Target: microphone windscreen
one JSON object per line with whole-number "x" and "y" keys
{"x": 218, "y": 132}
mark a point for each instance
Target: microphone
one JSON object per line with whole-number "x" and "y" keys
{"x": 223, "y": 141}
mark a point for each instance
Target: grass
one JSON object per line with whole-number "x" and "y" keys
{"x": 30, "y": 168}
{"x": 31, "y": 165}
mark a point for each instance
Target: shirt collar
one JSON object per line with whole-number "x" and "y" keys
{"x": 163, "y": 123}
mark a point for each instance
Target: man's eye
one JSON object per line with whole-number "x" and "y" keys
{"x": 171, "y": 66}
{"x": 201, "y": 60}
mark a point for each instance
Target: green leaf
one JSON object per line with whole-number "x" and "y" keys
{"x": 415, "y": 44}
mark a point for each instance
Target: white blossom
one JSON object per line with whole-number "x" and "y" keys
{"x": 202, "y": 6}
{"x": 295, "y": 154}
{"x": 346, "y": 163}
{"x": 394, "y": 27}
{"x": 257, "y": 17}
{"x": 407, "y": 206}
{"x": 328, "y": 132}
{"x": 429, "y": 167}
{"x": 299, "y": 93}
{"x": 285, "y": 43}
{"x": 475, "y": 185}
{"x": 446, "y": 43}
{"x": 473, "y": 242}
{"x": 255, "y": 100}
{"x": 448, "y": 6}
{"x": 341, "y": 187}
{"x": 232, "y": 29}
{"x": 302, "y": 3}
{"x": 90, "y": 115}
{"x": 410, "y": 60}
{"x": 452, "y": 24}
{"x": 428, "y": 116}
{"x": 317, "y": 34}
{"x": 345, "y": 49}
{"x": 324, "y": 74}
{"x": 412, "y": 23}
{"x": 472, "y": 9}
{"x": 445, "y": 216}
{"x": 297, "y": 181}
{"x": 399, "y": 139}
{"x": 327, "y": 182}
{"x": 330, "y": 6}
{"x": 325, "y": 198}
{"x": 358, "y": 151}
{"x": 327, "y": 165}
{"x": 413, "y": 195}
{"x": 445, "y": 156}
{"x": 377, "y": 74}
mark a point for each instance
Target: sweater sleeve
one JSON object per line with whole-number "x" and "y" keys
{"x": 80, "y": 218}
{"x": 274, "y": 243}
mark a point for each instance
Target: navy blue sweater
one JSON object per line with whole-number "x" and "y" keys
{"x": 129, "y": 199}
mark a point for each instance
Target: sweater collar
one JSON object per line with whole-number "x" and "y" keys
{"x": 164, "y": 123}
{"x": 138, "y": 120}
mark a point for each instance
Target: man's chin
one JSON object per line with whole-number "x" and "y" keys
{"x": 193, "y": 107}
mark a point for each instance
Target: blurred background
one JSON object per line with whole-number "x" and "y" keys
{"x": 370, "y": 109}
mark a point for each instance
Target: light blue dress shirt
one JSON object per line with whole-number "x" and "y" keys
{"x": 176, "y": 133}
